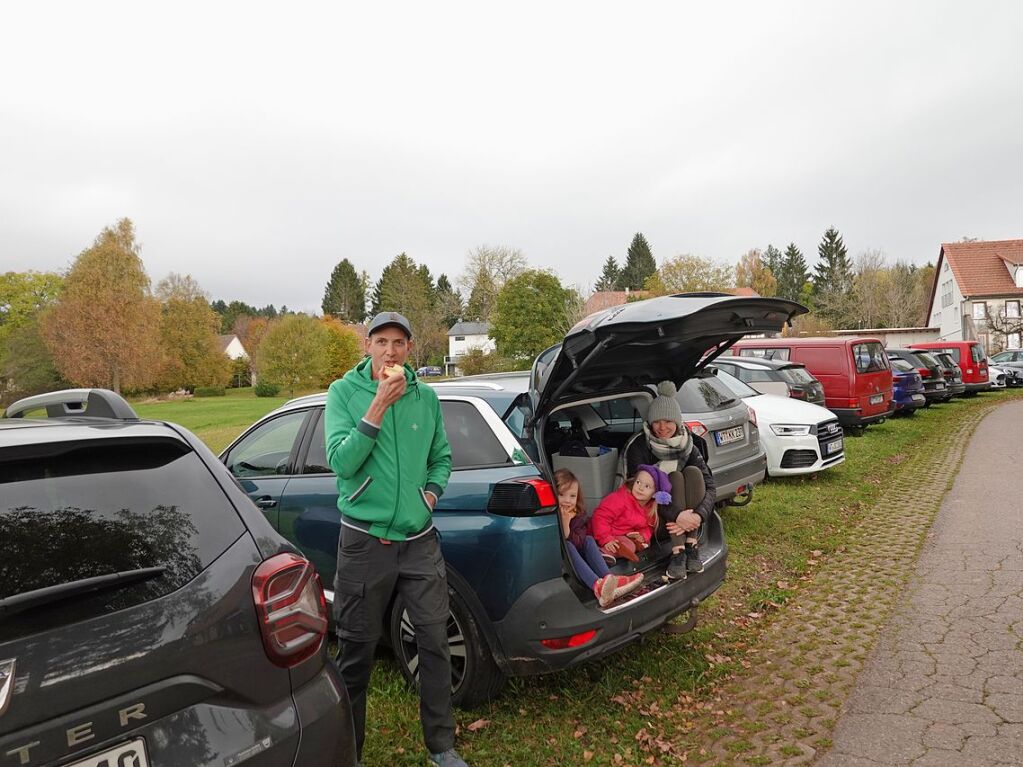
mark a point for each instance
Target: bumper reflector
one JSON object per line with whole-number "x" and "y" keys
{"x": 576, "y": 640}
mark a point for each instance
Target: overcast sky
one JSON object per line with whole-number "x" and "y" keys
{"x": 256, "y": 145}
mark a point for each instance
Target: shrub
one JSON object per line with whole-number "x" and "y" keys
{"x": 208, "y": 391}
{"x": 266, "y": 389}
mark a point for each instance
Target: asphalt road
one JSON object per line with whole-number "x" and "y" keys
{"x": 944, "y": 686}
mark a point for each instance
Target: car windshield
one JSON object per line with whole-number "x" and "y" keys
{"x": 797, "y": 375}
{"x": 738, "y": 388}
{"x": 869, "y": 357}
{"x": 901, "y": 365}
{"x": 705, "y": 394}
{"x": 927, "y": 359}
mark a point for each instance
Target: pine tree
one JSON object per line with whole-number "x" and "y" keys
{"x": 345, "y": 295}
{"x": 449, "y": 301}
{"x": 773, "y": 259}
{"x": 832, "y": 278}
{"x": 639, "y": 264}
{"x": 792, "y": 273}
{"x": 609, "y": 277}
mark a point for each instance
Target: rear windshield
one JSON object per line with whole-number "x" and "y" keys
{"x": 928, "y": 359}
{"x": 975, "y": 353}
{"x": 945, "y": 359}
{"x": 704, "y": 395}
{"x": 797, "y": 375}
{"x": 901, "y": 365}
{"x": 869, "y": 357}
{"x": 737, "y": 386}
{"x": 102, "y": 507}
{"x": 771, "y": 354}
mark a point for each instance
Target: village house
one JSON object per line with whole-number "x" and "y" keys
{"x": 464, "y": 336}
{"x": 977, "y": 292}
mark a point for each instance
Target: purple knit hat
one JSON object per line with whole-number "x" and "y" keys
{"x": 662, "y": 485}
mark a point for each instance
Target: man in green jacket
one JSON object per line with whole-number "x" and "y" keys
{"x": 386, "y": 443}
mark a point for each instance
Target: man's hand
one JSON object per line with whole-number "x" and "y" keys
{"x": 389, "y": 390}
{"x": 430, "y": 499}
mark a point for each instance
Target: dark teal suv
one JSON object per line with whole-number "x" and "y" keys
{"x": 516, "y": 607}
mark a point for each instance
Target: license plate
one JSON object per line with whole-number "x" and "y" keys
{"x": 833, "y": 447}
{"x": 939, "y": 386}
{"x": 727, "y": 436}
{"x": 877, "y": 399}
{"x": 919, "y": 398}
{"x": 127, "y": 755}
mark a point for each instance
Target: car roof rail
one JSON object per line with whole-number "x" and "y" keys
{"x": 87, "y": 403}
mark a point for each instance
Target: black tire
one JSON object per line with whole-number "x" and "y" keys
{"x": 475, "y": 677}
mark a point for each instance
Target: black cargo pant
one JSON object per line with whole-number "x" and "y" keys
{"x": 368, "y": 574}
{"x": 687, "y": 491}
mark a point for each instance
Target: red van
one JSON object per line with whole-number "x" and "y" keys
{"x": 855, "y": 372}
{"x": 968, "y": 355}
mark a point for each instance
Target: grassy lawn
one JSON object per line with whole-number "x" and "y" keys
{"x": 215, "y": 420}
{"x": 598, "y": 713}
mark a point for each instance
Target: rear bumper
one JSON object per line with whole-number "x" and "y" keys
{"x": 551, "y": 609}
{"x": 976, "y": 387}
{"x": 324, "y": 714}
{"x": 747, "y": 472}
{"x": 910, "y": 402}
{"x": 854, "y": 416}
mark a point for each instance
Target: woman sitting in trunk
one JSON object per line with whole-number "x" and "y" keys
{"x": 667, "y": 444}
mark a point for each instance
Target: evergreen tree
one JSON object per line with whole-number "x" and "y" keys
{"x": 832, "y": 278}
{"x": 449, "y": 301}
{"x": 792, "y": 273}
{"x": 609, "y": 277}
{"x": 482, "y": 298}
{"x": 773, "y": 259}
{"x": 345, "y": 295}
{"x": 639, "y": 264}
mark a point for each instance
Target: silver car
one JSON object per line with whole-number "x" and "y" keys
{"x": 734, "y": 453}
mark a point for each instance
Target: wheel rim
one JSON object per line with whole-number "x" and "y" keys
{"x": 456, "y": 645}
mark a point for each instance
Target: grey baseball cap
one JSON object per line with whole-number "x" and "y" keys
{"x": 389, "y": 319}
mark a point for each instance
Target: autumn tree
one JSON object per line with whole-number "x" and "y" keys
{"x": 23, "y": 296}
{"x": 293, "y": 355}
{"x": 344, "y": 350}
{"x": 188, "y": 336}
{"x": 639, "y": 264}
{"x": 793, "y": 274}
{"x": 105, "y": 328}
{"x": 345, "y": 294}
{"x": 408, "y": 288}
{"x": 487, "y": 269}
{"x": 26, "y": 365}
{"x": 689, "y": 274}
{"x": 752, "y": 272}
{"x": 609, "y": 276}
{"x": 532, "y": 313}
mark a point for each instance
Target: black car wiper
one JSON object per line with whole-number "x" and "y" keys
{"x": 727, "y": 402}
{"x": 39, "y": 597}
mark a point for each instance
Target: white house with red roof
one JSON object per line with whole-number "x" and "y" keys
{"x": 977, "y": 293}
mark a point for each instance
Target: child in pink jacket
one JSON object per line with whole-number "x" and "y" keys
{"x": 630, "y": 512}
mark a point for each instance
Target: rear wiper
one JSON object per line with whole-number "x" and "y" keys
{"x": 727, "y": 402}
{"x": 39, "y": 597}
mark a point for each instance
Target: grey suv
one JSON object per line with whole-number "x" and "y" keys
{"x": 149, "y": 615}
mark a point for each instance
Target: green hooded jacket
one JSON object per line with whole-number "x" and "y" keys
{"x": 383, "y": 474}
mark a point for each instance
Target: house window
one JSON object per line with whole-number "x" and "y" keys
{"x": 946, "y": 293}
{"x": 1012, "y": 309}
{"x": 459, "y": 338}
{"x": 1019, "y": 276}
{"x": 1014, "y": 340}
{"x": 980, "y": 310}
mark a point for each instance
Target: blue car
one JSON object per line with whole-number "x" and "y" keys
{"x": 516, "y": 606}
{"x": 907, "y": 387}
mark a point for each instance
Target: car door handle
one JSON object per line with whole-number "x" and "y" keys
{"x": 266, "y": 502}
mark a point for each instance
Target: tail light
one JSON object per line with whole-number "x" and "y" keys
{"x": 797, "y": 393}
{"x": 576, "y": 640}
{"x": 752, "y": 416}
{"x": 522, "y": 497}
{"x": 924, "y": 372}
{"x": 697, "y": 428}
{"x": 291, "y": 609}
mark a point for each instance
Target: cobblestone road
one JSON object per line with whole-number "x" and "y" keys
{"x": 944, "y": 686}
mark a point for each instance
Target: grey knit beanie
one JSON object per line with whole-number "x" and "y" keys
{"x": 664, "y": 407}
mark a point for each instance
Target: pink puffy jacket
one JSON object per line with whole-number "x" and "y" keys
{"x": 619, "y": 514}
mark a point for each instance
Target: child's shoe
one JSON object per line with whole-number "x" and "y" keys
{"x": 604, "y": 590}
{"x": 627, "y": 584}
{"x": 693, "y": 562}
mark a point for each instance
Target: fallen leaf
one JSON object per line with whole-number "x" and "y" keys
{"x": 580, "y": 732}
{"x": 587, "y": 755}
{"x": 478, "y": 725}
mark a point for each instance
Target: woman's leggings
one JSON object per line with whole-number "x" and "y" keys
{"x": 687, "y": 492}
{"x": 589, "y": 564}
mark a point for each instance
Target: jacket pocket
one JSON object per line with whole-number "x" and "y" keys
{"x": 426, "y": 502}
{"x": 360, "y": 489}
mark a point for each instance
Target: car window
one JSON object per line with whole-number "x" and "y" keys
{"x": 759, "y": 374}
{"x": 704, "y": 394}
{"x": 617, "y": 410}
{"x": 316, "y": 456}
{"x": 473, "y": 442}
{"x": 869, "y": 357}
{"x": 71, "y": 512}
{"x": 975, "y": 353}
{"x": 797, "y": 375}
{"x": 954, "y": 351}
{"x": 1003, "y": 357}
{"x": 901, "y": 365}
{"x": 771, "y": 354}
{"x": 737, "y": 387}
{"x": 265, "y": 450}
{"x": 927, "y": 359}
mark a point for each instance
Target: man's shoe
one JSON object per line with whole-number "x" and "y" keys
{"x": 693, "y": 562}
{"x": 449, "y": 758}
{"x": 677, "y": 567}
